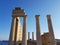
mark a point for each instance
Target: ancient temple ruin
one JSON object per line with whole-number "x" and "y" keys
{"x": 18, "y": 34}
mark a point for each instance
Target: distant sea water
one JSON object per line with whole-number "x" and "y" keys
{"x": 3, "y": 42}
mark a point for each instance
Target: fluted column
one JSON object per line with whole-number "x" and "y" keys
{"x": 32, "y": 35}
{"x": 38, "y": 35}
{"x": 28, "y": 35}
{"x": 24, "y": 40}
{"x": 12, "y": 32}
{"x": 53, "y": 42}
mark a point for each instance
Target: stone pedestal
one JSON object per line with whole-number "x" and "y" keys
{"x": 38, "y": 35}
{"x": 51, "y": 33}
{"x": 24, "y": 40}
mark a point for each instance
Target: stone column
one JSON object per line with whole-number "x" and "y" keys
{"x": 32, "y": 35}
{"x": 12, "y": 32}
{"x": 16, "y": 29}
{"x": 24, "y": 40}
{"x": 28, "y": 35}
{"x": 38, "y": 35}
{"x": 51, "y": 30}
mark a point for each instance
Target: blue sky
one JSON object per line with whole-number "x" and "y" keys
{"x": 31, "y": 7}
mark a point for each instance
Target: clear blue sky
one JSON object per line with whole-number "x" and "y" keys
{"x": 31, "y": 7}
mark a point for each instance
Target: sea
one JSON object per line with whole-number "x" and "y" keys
{"x": 3, "y": 42}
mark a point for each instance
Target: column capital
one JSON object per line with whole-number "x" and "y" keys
{"x": 37, "y": 15}
{"x": 48, "y": 16}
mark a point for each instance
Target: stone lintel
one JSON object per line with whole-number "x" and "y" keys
{"x": 17, "y": 12}
{"x": 18, "y": 8}
{"x": 19, "y": 15}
